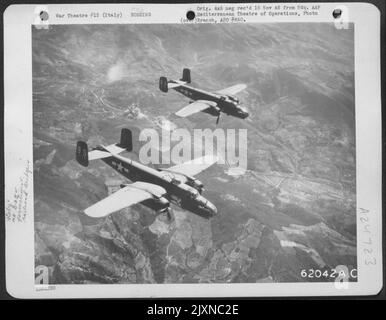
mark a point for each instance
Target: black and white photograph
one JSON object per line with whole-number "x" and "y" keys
{"x": 286, "y": 214}
{"x": 192, "y": 150}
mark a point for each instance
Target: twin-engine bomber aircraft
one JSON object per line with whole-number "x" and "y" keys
{"x": 212, "y": 103}
{"x": 152, "y": 188}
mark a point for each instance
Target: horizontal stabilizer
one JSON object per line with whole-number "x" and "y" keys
{"x": 172, "y": 85}
{"x": 114, "y": 149}
{"x": 108, "y": 151}
{"x": 83, "y": 156}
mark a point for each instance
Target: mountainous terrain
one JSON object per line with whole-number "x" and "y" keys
{"x": 293, "y": 209}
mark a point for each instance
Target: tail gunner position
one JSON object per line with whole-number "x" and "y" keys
{"x": 212, "y": 103}
{"x": 152, "y": 188}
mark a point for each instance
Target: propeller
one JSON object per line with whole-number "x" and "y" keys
{"x": 169, "y": 215}
{"x": 218, "y": 118}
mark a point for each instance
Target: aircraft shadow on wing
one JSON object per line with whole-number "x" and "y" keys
{"x": 213, "y": 103}
{"x": 153, "y": 188}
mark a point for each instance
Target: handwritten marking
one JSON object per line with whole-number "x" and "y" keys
{"x": 365, "y": 228}
{"x": 16, "y": 206}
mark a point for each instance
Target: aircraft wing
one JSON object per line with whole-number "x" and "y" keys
{"x": 195, "y": 166}
{"x": 233, "y": 90}
{"x": 125, "y": 197}
{"x": 195, "y": 107}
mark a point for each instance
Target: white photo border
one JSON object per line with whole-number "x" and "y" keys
{"x": 18, "y": 156}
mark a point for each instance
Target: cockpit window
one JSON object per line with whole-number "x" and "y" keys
{"x": 175, "y": 181}
{"x": 195, "y": 193}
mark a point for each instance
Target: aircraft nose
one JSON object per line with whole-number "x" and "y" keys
{"x": 243, "y": 113}
{"x": 212, "y": 208}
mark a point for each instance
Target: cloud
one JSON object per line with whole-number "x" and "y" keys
{"x": 116, "y": 72}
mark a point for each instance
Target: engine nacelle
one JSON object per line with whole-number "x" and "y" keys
{"x": 157, "y": 204}
{"x": 195, "y": 183}
{"x": 234, "y": 99}
{"x": 213, "y": 111}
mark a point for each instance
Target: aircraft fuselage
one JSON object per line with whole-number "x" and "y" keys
{"x": 178, "y": 192}
{"x": 224, "y": 103}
